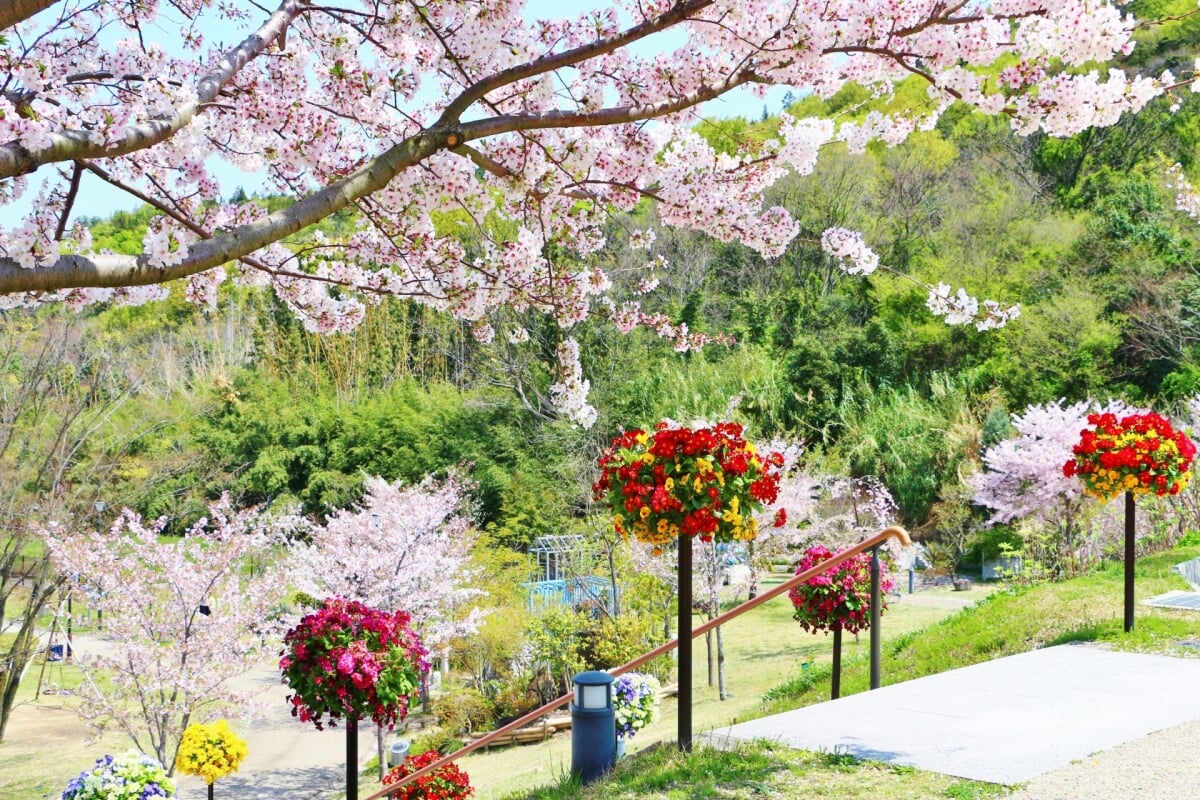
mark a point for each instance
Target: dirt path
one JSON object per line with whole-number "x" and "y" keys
{"x": 287, "y": 758}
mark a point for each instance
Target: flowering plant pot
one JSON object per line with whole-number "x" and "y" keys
{"x": 1140, "y": 453}
{"x": 840, "y": 597}
{"x": 447, "y": 782}
{"x": 348, "y": 660}
{"x": 635, "y": 702}
{"x": 128, "y": 776}
{"x": 706, "y": 482}
{"x": 210, "y": 751}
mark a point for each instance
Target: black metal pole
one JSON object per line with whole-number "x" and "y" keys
{"x": 685, "y": 642}
{"x": 836, "y": 683}
{"x": 1130, "y": 558}
{"x": 351, "y": 758}
{"x": 876, "y": 603}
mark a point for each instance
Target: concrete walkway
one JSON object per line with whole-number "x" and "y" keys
{"x": 1004, "y": 721}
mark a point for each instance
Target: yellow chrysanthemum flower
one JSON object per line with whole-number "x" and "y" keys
{"x": 210, "y": 751}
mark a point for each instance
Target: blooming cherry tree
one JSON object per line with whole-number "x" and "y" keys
{"x": 182, "y": 620}
{"x": 405, "y": 547}
{"x": 402, "y": 111}
{"x": 1023, "y": 477}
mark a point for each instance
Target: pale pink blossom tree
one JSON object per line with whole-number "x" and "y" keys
{"x": 835, "y": 511}
{"x": 403, "y": 547}
{"x": 1023, "y": 481}
{"x": 182, "y": 620}
{"x": 403, "y": 111}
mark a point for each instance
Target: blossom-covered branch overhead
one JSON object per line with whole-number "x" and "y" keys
{"x": 409, "y": 109}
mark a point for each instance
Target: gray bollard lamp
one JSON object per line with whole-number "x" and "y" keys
{"x": 593, "y": 726}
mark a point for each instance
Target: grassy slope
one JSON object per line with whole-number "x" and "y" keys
{"x": 763, "y": 649}
{"x": 1007, "y": 622}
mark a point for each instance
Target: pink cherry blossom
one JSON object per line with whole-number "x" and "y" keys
{"x": 531, "y": 131}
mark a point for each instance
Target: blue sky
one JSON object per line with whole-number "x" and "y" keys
{"x": 98, "y": 199}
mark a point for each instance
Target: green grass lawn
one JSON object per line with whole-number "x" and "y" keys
{"x": 761, "y": 770}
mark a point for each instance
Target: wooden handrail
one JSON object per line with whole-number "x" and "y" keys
{"x": 890, "y": 532}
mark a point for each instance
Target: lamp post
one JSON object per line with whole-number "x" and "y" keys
{"x": 593, "y": 726}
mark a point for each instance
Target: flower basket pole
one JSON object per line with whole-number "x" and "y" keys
{"x": 348, "y": 660}
{"x": 684, "y": 626}
{"x": 1130, "y": 556}
{"x": 1138, "y": 454}
{"x": 351, "y": 758}
{"x": 676, "y": 484}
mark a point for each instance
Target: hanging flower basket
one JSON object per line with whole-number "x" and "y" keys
{"x": 1140, "y": 453}
{"x": 348, "y": 660}
{"x": 840, "y": 597}
{"x": 447, "y": 782}
{"x": 210, "y": 751}
{"x": 706, "y": 482}
{"x": 128, "y": 776}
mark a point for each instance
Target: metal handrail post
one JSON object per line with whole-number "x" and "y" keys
{"x": 876, "y": 637}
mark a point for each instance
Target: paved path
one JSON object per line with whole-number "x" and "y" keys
{"x": 1003, "y": 721}
{"x": 287, "y": 758}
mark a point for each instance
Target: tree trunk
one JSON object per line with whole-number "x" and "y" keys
{"x": 24, "y": 646}
{"x": 383, "y": 767}
{"x": 712, "y": 659}
{"x": 723, "y": 689}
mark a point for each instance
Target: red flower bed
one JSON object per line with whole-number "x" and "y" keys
{"x": 447, "y": 782}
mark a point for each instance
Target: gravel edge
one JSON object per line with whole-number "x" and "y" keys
{"x": 1164, "y": 765}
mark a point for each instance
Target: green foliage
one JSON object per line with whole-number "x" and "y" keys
{"x": 553, "y": 637}
{"x": 609, "y": 642}
{"x": 461, "y": 711}
{"x": 912, "y": 442}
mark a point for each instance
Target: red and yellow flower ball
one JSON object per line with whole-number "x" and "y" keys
{"x": 706, "y": 482}
{"x": 1140, "y": 453}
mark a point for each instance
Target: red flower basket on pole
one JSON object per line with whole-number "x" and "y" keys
{"x": 678, "y": 483}
{"x": 837, "y": 600}
{"x": 1138, "y": 454}
{"x": 348, "y": 660}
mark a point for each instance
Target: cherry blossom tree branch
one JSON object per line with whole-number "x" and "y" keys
{"x": 616, "y": 115}
{"x": 548, "y": 63}
{"x": 15, "y": 159}
{"x": 15, "y": 11}
{"x": 114, "y": 270}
